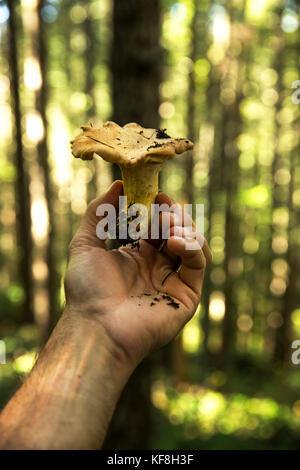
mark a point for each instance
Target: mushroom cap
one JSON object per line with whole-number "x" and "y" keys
{"x": 128, "y": 145}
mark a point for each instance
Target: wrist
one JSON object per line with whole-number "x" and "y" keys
{"x": 87, "y": 327}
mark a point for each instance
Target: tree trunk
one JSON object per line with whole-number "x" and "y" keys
{"x": 215, "y": 113}
{"x": 90, "y": 57}
{"x": 136, "y": 77}
{"x": 23, "y": 218}
{"x": 135, "y": 59}
{"x": 230, "y": 164}
{"x": 39, "y": 44}
{"x": 189, "y": 188}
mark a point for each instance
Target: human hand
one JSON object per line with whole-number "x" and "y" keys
{"x": 134, "y": 294}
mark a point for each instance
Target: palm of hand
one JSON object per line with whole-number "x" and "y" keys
{"x": 125, "y": 290}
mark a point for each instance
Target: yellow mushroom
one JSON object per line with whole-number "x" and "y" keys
{"x": 139, "y": 152}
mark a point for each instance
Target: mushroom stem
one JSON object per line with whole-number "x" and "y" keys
{"x": 140, "y": 184}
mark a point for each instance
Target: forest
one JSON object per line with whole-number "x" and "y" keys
{"x": 222, "y": 73}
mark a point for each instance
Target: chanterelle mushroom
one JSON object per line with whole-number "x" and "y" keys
{"x": 139, "y": 152}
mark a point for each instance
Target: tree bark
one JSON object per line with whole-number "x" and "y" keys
{"x": 90, "y": 57}
{"x": 41, "y": 96}
{"x": 135, "y": 63}
{"x": 230, "y": 163}
{"x": 23, "y": 219}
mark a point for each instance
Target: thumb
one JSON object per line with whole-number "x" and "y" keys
{"x": 86, "y": 234}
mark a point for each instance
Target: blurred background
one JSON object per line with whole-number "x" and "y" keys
{"x": 220, "y": 73}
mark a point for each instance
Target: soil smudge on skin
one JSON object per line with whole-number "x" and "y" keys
{"x": 171, "y": 301}
{"x": 173, "y": 304}
{"x": 167, "y": 297}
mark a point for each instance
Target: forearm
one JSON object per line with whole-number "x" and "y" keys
{"x": 69, "y": 398}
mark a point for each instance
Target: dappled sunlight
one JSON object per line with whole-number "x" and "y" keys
{"x": 217, "y": 306}
{"x": 220, "y": 26}
{"x": 192, "y": 335}
{"x": 34, "y": 127}
{"x": 39, "y": 215}
{"x": 60, "y": 147}
{"x": 32, "y": 74}
{"x": 202, "y": 413}
{"x": 5, "y": 123}
{"x": 23, "y": 364}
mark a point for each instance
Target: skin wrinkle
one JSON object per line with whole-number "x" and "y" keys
{"x": 118, "y": 344}
{"x": 192, "y": 292}
{"x": 129, "y": 259}
{"x": 141, "y": 269}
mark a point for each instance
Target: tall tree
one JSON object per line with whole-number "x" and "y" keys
{"x": 90, "y": 58}
{"x": 135, "y": 64}
{"x": 191, "y": 108}
{"x": 198, "y": 49}
{"x": 23, "y": 219}
{"x": 215, "y": 111}
{"x": 41, "y": 96}
{"x": 229, "y": 158}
